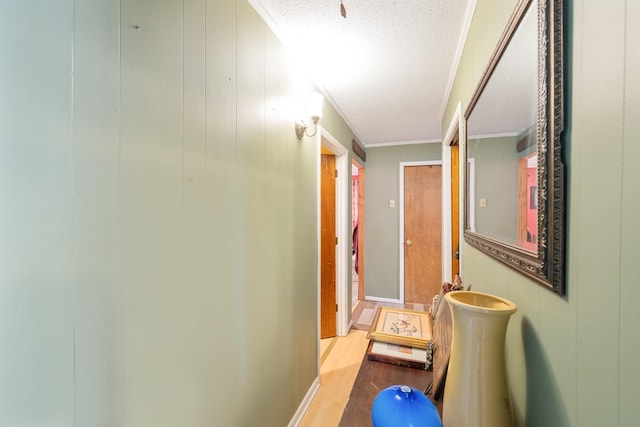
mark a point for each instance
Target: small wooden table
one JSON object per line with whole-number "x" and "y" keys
{"x": 373, "y": 377}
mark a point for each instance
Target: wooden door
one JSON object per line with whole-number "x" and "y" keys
{"x": 455, "y": 209}
{"x": 522, "y": 202}
{"x": 422, "y": 233}
{"x": 528, "y": 203}
{"x": 328, "y": 306}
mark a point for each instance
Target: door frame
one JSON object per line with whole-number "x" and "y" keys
{"x": 471, "y": 165}
{"x": 401, "y": 219}
{"x": 326, "y": 140}
{"x": 456, "y": 128}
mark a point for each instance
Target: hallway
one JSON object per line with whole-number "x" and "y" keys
{"x": 340, "y": 362}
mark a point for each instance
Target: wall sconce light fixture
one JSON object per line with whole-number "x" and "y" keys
{"x": 314, "y": 111}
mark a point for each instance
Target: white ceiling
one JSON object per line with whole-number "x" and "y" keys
{"x": 387, "y": 67}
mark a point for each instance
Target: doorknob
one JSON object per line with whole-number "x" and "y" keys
{"x": 409, "y": 242}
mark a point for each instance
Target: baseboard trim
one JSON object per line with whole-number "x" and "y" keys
{"x": 304, "y": 405}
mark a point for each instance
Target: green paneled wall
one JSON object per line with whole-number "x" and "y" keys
{"x": 570, "y": 361}
{"x": 158, "y": 217}
{"x": 496, "y": 177}
{"x": 97, "y": 299}
{"x": 36, "y": 255}
{"x": 630, "y": 228}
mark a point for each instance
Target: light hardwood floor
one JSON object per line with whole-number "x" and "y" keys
{"x": 338, "y": 370}
{"x": 340, "y": 360}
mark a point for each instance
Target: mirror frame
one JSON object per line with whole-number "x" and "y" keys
{"x": 547, "y": 266}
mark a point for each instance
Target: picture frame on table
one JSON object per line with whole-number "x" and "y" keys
{"x": 403, "y": 327}
{"x": 400, "y": 355}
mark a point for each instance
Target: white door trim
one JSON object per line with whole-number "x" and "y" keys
{"x": 326, "y": 140}
{"x": 455, "y": 127}
{"x": 401, "y": 219}
{"x": 472, "y": 194}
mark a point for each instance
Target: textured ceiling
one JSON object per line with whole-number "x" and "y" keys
{"x": 387, "y": 68}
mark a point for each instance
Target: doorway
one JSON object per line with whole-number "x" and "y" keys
{"x": 328, "y": 242}
{"x": 528, "y": 202}
{"x": 338, "y": 308}
{"x": 421, "y": 231}
{"x": 452, "y": 197}
{"x": 357, "y": 233}
{"x": 454, "y": 253}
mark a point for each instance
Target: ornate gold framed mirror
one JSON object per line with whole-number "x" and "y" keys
{"x": 514, "y": 186}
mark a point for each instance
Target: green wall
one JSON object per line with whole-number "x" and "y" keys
{"x": 382, "y": 233}
{"x": 158, "y": 217}
{"x": 571, "y": 361}
{"x": 496, "y": 181}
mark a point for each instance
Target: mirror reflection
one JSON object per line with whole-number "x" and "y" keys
{"x": 514, "y": 210}
{"x": 502, "y": 150}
